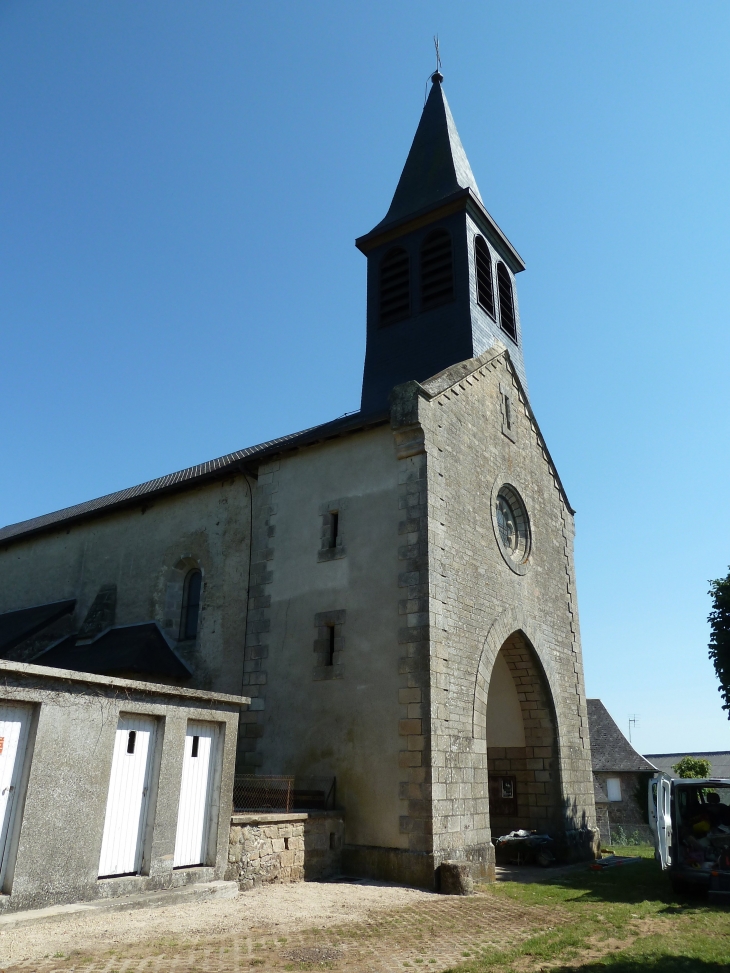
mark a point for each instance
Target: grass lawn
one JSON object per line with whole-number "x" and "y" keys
{"x": 623, "y": 920}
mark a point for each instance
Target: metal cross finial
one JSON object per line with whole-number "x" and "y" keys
{"x": 437, "y": 77}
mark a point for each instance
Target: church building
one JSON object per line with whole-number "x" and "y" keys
{"x": 395, "y": 589}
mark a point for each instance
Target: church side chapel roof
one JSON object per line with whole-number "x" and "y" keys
{"x": 610, "y": 750}
{"x": 16, "y": 626}
{"x": 140, "y": 649}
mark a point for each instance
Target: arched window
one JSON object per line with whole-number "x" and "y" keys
{"x": 437, "y": 270}
{"x": 191, "y": 605}
{"x": 506, "y": 302}
{"x": 485, "y": 282}
{"x": 395, "y": 287}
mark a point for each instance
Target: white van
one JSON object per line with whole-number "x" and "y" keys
{"x": 691, "y": 823}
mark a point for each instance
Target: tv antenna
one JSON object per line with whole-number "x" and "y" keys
{"x": 633, "y": 720}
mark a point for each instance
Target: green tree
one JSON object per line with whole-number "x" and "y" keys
{"x": 719, "y": 619}
{"x": 697, "y": 767}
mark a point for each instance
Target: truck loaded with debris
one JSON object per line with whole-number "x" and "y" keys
{"x": 691, "y": 823}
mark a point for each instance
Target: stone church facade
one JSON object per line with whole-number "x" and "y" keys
{"x": 395, "y": 590}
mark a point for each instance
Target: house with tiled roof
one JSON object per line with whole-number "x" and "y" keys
{"x": 620, "y": 775}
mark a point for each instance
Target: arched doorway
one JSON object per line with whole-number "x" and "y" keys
{"x": 522, "y": 756}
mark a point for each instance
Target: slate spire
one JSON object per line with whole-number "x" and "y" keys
{"x": 437, "y": 165}
{"x": 441, "y": 273}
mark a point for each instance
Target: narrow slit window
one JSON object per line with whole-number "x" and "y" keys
{"x": 506, "y": 302}
{"x": 330, "y": 659}
{"x": 196, "y": 744}
{"x": 485, "y": 282}
{"x": 507, "y": 412}
{"x": 191, "y": 605}
{"x": 395, "y": 287}
{"x": 131, "y": 741}
{"x": 334, "y": 527}
{"x": 437, "y": 270}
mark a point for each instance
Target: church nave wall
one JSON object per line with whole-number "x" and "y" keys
{"x": 324, "y": 634}
{"x": 139, "y": 557}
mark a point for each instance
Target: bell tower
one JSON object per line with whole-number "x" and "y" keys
{"x": 441, "y": 273}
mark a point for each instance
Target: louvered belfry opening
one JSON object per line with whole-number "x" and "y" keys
{"x": 437, "y": 270}
{"x": 506, "y": 302}
{"x": 485, "y": 282}
{"x": 395, "y": 287}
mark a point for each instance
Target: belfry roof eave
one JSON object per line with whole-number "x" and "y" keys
{"x": 231, "y": 463}
{"x": 388, "y": 230}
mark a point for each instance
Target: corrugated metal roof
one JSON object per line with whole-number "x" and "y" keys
{"x": 719, "y": 760}
{"x": 165, "y": 484}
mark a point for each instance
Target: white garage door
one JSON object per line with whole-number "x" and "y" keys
{"x": 126, "y": 806}
{"x": 193, "y": 820}
{"x": 14, "y": 725}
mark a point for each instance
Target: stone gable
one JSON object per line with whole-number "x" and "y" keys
{"x": 476, "y": 602}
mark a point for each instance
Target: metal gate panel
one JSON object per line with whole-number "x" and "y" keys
{"x": 14, "y": 726}
{"x": 126, "y": 806}
{"x": 193, "y": 820}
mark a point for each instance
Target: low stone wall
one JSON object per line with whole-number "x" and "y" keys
{"x": 266, "y": 848}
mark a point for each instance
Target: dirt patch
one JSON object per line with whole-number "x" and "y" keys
{"x": 596, "y": 949}
{"x": 312, "y": 954}
{"x": 267, "y": 910}
{"x": 338, "y": 926}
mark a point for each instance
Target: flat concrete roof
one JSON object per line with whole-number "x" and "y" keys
{"x": 114, "y": 682}
{"x": 281, "y": 817}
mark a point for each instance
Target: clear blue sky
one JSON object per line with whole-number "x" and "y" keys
{"x": 180, "y": 187}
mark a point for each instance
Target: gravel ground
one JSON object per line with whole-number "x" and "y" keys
{"x": 271, "y": 909}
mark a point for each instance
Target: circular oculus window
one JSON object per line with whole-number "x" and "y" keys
{"x": 512, "y": 527}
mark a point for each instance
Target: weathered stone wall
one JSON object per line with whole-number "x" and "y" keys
{"x": 603, "y": 823}
{"x": 629, "y": 812}
{"x": 476, "y": 601}
{"x": 266, "y": 848}
{"x": 345, "y": 726}
{"x": 145, "y": 552}
{"x": 414, "y": 677}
